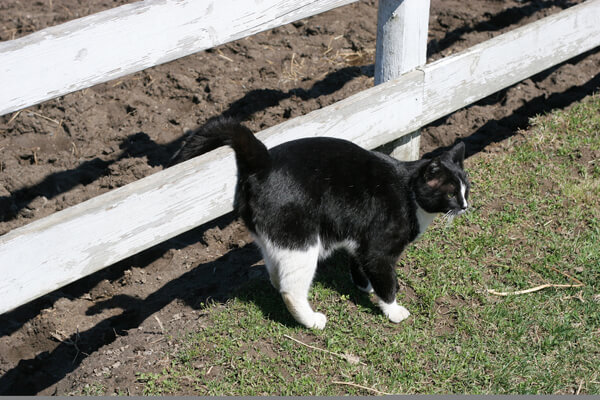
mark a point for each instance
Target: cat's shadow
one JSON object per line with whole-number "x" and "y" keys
{"x": 236, "y": 275}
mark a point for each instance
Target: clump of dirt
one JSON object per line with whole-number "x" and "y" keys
{"x": 111, "y": 325}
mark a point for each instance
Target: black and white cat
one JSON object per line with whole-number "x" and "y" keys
{"x": 305, "y": 198}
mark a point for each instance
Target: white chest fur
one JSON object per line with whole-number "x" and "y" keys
{"x": 425, "y": 219}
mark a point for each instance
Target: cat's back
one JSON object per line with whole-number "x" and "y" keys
{"x": 308, "y": 147}
{"x": 325, "y": 161}
{"x": 319, "y": 175}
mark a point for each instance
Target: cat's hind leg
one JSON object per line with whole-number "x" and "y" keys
{"x": 291, "y": 272}
{"x": 266, "y": 249}
{"x": 359, "y": 278}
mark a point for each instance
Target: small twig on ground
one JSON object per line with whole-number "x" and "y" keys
{"x": 362, "y": 387}
{"x": 541, "y": 287}
{"x": 34, "y": 150}
{"x": 579, "y": 283}
{"x": 352, "y": 359}
{"x": 15, "y": 115}
{"x": 580, "y": 386}
{"x": 62, "y": 338}
{"x": 160, "y": 339}
{"x": 292, "y": 73}
{"x": 46, "y": 118}
{"x": 151, "y": 81}
{"x": 530, "y": 290}
{"x": 74, "y": 150}
{"x": 220, "y": 54}
{"x": 578, "y": 296}
{"x": 162, "y": 328}
{"x": 68, "y": 11}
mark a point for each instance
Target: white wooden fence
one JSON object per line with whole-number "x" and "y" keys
{"x": 54, "y": 251}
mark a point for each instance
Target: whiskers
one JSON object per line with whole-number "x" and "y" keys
{"x": 451, "y": 214}
{"x": 449, "y": 217}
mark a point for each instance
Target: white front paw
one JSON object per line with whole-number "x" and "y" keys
{"x": 393, "y": 311}
{"x": 398, "y": 314}
{"x": 319, "y": 321}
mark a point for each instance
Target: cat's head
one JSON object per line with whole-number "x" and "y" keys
{"x": 442, "y": 185}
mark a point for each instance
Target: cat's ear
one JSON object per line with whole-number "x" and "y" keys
{"x": 433, "y": 173}
{"x": 457, "y": 154}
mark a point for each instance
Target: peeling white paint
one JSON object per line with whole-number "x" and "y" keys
{"x": 130, "y": 38}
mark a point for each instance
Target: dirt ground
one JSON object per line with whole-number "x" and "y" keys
{"x": 110, "y": 325}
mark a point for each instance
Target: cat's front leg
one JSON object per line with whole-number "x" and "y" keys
{"x": 385, "y": 285}
{"x": 395, "y": 312}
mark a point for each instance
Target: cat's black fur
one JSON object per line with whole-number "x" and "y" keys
{"x": 332, "y": 193}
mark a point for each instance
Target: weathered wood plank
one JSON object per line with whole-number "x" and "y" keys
{"x": 47, "y": 254}
{"x": 117, "y": 42}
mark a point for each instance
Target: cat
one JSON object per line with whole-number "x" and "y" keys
{"x": 306, "y": 198}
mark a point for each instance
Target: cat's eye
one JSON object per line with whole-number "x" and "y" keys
{"x": 449, "y": 196}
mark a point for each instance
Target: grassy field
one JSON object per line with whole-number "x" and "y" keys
{"x": 534, "y": 224}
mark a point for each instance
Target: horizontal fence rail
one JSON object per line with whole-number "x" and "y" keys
{"x": 126, "y": 39}
{"x": 56, "y": 250}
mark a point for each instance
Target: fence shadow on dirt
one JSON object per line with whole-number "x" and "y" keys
{"x": 139, "y": 144}
{"x": 497, "y": 130}
{"x": 33, "y": 375}
{"x": 494, "y": 22}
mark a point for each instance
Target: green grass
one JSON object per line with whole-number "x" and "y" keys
{"x": 95, "y": 389}
{"x": 535, "y": 220}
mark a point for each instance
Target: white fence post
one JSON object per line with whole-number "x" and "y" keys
{"x": 402, "y": 27}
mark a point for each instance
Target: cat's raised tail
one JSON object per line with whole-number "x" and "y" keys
{"x": 250, "y": 153}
